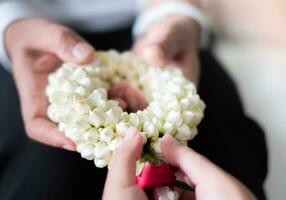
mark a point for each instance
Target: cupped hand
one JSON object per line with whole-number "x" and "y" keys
{"x": 174, "y": 40}
{"x": 37, "y": 47}
{"x": 208, "y": 180}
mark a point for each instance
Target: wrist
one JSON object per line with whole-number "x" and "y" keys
{"x": 161, "y": 12}
{"x": 9, "y": 13}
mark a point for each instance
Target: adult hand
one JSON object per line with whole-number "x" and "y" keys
{"x": 37, "y": 47}
{"x": 121, "y": 179}
{"x": 174, "y": 40}
{"x": 207, "y": 179}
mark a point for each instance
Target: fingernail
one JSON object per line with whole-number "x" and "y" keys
{"x": 131, "y": 133}
{"x": 82, "y": 50}
{"x": 168, "y": 140}
{"x": 69, "y": 147}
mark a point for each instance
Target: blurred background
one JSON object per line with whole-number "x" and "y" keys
{"x": 251, "y": 43}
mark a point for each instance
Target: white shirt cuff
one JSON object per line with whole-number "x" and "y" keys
{"x": 9, "y": 12}
{"x": 153, "y": 15}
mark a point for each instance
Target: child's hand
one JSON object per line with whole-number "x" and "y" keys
{"x": 207, "y": 179}
{"x": 121, "y": 179}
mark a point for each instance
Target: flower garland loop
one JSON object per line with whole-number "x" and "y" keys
{"x": 79, "y": 104}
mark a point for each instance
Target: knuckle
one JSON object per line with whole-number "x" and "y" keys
{"x": 63, "y": 35}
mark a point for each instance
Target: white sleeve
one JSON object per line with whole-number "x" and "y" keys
{"x": 11, "y": 11}
{"x": 147, "y": 18}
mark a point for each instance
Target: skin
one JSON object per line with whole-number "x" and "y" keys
{"x": 208, "y": 180}
{"x": 172, "y": 40}
{"x": 44, "y": 45}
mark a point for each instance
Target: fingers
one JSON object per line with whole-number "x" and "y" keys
{"x": 159, "y": 47}
{"x": 121, "y": 102}
{"x": 44, "y": 131}
{"x": 61, "y": 41}
{"x": 123, "y": 166}
{"x": 69, "y": 47}
{"x": 31, "y": 87}
{"x": 198, "y": 168}
{"x": 134, "y": 99}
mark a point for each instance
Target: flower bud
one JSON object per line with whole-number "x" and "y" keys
{"x": 96, "y": 119}
{"x": 184, "y": 133}
{"x": 101, "y": 150}
{"x": 174, "y": 117}
{"x": 100, "y": 163}
{"x": 121, "y": 128}
{"x": 106, "y": 134}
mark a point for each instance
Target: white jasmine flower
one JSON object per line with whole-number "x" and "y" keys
{"x": 102, "y": 151}
{"x": 184, "y": 133}
{"x": 100, "y": 163}
{"x": 134, "y": 120}
{"x": 68, "y": 87}
{"x": 176, "y": 89}
{"x": 174, "y": 117}
{"x": 86, "y": 151}
{"x": 111, "y": 117}
{"x": 96, "y": 119}
{"x": 78, "y": 73}
{"x": 169, "y": 128}
{"x": 121, "y": 128}
{"x": 97, "y": 95}
{"x": 174, "y": 105}
{"x": 188, "y": 117}
{"x": 164, "y": 193}
{"x": 85, "y": 81}
{"x": 151, "y": 130}
{"x": 80, "y": 90}
{"x": 106, "y": 134}
{"x": 157, "y": 123}
{"x": 185, "y": 103}
{"x": 91, "y": 136}
{"x": 80, "y": 105}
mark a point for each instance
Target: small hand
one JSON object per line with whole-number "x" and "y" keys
{"x": 208, "y": 180}
{"x": 175, "y": 41}
{"x": 121, "y": 179}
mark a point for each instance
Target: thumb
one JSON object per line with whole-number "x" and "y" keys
{"x": 123, "y": 166}
{"x": 197, "y": 168}
{"x": 160, "y": 47}
{"x": 63, "y": 42}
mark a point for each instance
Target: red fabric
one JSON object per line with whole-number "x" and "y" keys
{"x": 152, "y": 175}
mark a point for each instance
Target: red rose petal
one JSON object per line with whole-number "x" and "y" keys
{"x": 152, "y": 175}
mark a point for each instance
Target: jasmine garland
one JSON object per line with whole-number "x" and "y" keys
{"x": 80, "y": 105}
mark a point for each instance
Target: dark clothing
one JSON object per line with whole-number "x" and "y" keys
{"x": 29, "y": 170}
